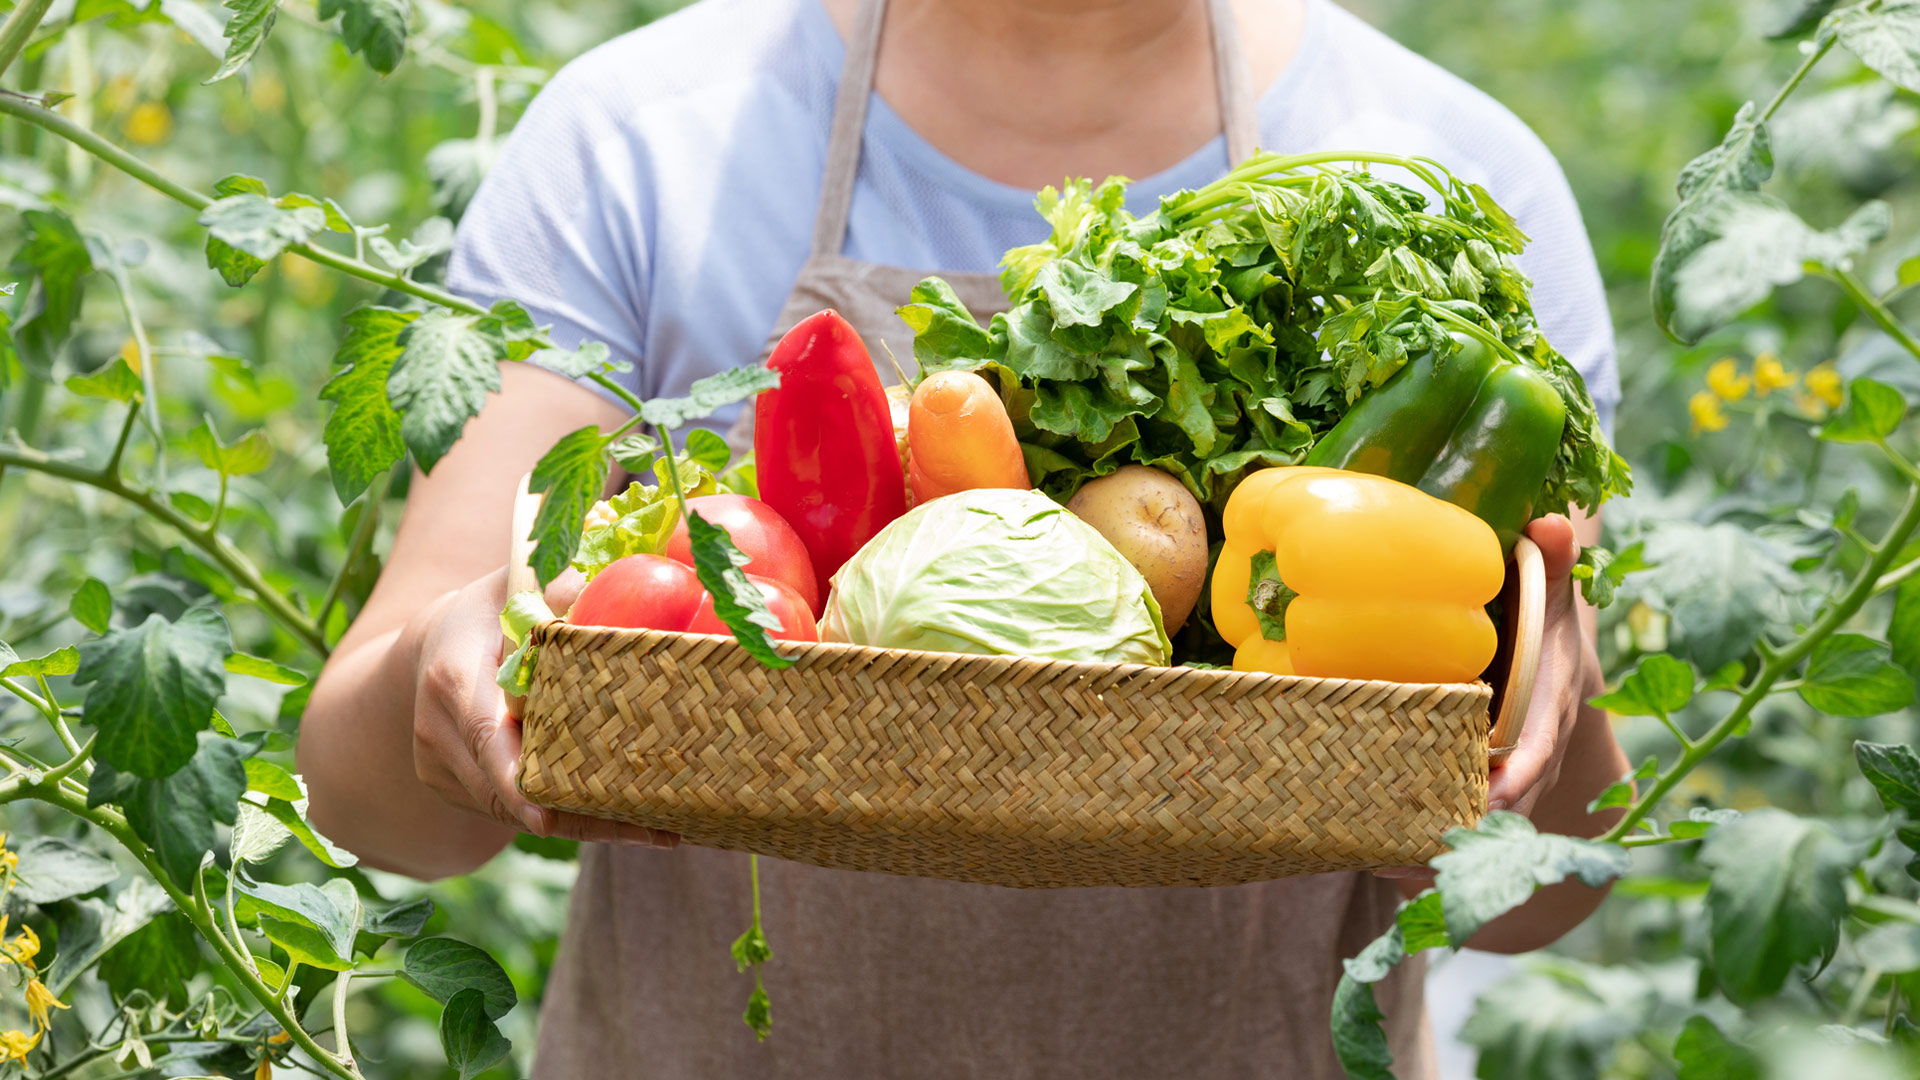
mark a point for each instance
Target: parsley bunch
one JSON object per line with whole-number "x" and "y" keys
{"x": 1233, "y": 326}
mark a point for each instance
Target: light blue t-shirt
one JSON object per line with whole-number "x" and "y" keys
{"x": 659, "y": 193}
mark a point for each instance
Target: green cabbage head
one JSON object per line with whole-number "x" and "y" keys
{"x": 995, "y": 570}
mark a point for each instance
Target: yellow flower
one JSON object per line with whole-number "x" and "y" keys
{"x": 39, "y": 1000}
{"x": 1705, "y": 409}
{"x": 267, "y": 93}
{"x": 23, "y": 948}
{"x": 149, "y": 123}
{"x": 130, "y": 352}
{"x": 16, "y": 1045}
{"x": 1770, "y": 375}
{"x": 1724, "y": 379}
{"x": 264, "y": 1071}
{"x": 1823, "y": 385}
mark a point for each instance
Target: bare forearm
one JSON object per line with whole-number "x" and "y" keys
{"x": 356, "y": 749}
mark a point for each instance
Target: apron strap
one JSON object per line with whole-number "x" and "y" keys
{"x": 1238, "y": 116}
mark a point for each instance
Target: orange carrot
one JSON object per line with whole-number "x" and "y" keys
{"x": 960, "y": 438}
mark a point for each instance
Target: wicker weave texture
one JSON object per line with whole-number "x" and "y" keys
{"x": 1000, "y": 770}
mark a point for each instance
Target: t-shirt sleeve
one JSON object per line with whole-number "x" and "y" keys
{"x": 556, "y": 226}
{"x": 1569, "y": 299}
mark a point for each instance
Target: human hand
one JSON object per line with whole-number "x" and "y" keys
{"x": 465, "y": 746}
{"x": 1569, "y": 676}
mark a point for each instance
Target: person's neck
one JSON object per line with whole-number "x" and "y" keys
{"x": 1029, "y": 91}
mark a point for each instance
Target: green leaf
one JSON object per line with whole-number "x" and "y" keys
{"x": 114, "y": 381}
{"x": 62, "y": 661}
{"x": 52, "y": 869}
{"x": 377, "y": 29}
{"x": 708, "y": 450}
{"x": 1894, "y": 772}
{"x": 1659, "y": 685}
{"x": 92, "y": 606}
{"x": 448, "y": 364}
{"x": 1495, "y": 866}
{"x": 158, "y": 958}
{"x": 1873, "y": 411}
{"x": 1622, "y": 792}
{"x": 945, "y": 333}
{"x": 398, "y": 920}
{"x": 1600, "y": 571}
{"x": 1358, "y": 1039}
{"x": 471, "y": 1041}
{"x": 1269, "y": 597}
{"x": 363, "y": 430}
{"x": 1560, "y": 1018}
{"x": 556, "y": 848}
{"x": 1703, "y": 1053}
{"x": 257, "y": 225}
{"x": 246, "y": 455}
{"x": 246, "y": 31}
{"x": 1776, "y": 897}
{"x": 292, "y": 817}
{"x": 1700, "y": 821}
{"x": 314, "y": 923}
{"x": 89, "y": 927}
{"x": 636, "y": 452}
{"x": 1852, "y": 675}
{"x": 56, "y": 256}
{"x": 176, "y": 815}
{"x": 442, "y": 967}
{"x": 1423, "y": 923}
{"x": 1903, "y": 630}
{"x": 261, "y": 668}
{"x": 591, "y": 358}
{"x": 266, "y": 778}
{"x": 433, "y": 237}
{"x": 708, "y": 395}
{"x": 1758, "y": 246}
{"x": 571, "y": 474}
{"x": 151, "y": 687}
{"x": 523, "y": 610}
{"x": 1886, "y": 38}
{"x": 1737, "y": 167}
{"x": 1721, "y": 585}
{"x": 256, "y": 835}
{"x": 738, "y": 603}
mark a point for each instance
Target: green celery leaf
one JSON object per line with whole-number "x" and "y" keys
{"x": 151, "y": 687}
{"x": 52, "y": 869}
{"x": 115, "y": 382}
{"x": 92, "y": 606}
{"x": 571, "y": 474}
{"x": 1776, "y": 897}
{"x": 176, "y": 815}
{"x": 736, "y": 600}
{"x": 363, "y": 430}
{"x": 1495, "y": 866}
{"x": 1885, "y": 36}
{"x": 1873, "y": 411}
{"x": 707, "y": 395}
{"x": 314, "y": 923}
{"x": 1660, "y": 685}
{"x": 376, "y": 29}
{"x": 442, "y": 968}
{"x": 448, "y": 364}
{"x": 468, "y": 1037}
{"x": 1852, "y": 675}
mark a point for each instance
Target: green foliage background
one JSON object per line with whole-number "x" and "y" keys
{"x": 1742, "y": 521}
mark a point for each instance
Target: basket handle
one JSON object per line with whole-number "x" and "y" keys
{"x": 1529, "y": 622}
{"x": 520, "y": 575}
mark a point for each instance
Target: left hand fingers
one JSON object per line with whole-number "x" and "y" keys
{"x": 1534, "y": 764}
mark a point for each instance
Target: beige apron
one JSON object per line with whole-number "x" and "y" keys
{"x": 876, "y": 977}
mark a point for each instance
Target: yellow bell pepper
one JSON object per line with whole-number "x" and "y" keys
{"x": 1364, "y": 578}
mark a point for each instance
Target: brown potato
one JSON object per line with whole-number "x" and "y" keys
{"x": 1156, "y": 523}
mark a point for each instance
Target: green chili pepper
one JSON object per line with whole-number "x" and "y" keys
{"x": 1472, "y": 428}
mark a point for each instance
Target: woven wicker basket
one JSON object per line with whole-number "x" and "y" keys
{"x": 1010, "y": 771}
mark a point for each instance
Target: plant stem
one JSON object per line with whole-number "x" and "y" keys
{"x": 33, "y": 112}
{"x": 94, "y": 1054}
{"x": 1799, "y": 75}
{"x": 1877, "y": 311}
{"x": 1777, "y": 664}
{"x": 196, "y": 910}
{"x": 20, "y": 25}
{"x": 341, "y": 1048}
{"x": 143, "y": 351}
{"x": 217, "y": 546}
{"x": 112, "y": 467}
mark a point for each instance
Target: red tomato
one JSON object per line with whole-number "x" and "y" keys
{"x": 761, "y": 535}
{"x": 782, "y": 599}
{"x": 646, "y": 592}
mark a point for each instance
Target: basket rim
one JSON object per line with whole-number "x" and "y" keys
{"x": 803, "y": 652}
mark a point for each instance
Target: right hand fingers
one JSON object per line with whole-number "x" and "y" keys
{"x": 466, "y": 748}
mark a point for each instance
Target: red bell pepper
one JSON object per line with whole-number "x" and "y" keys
{"x": 823, "y": 442}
